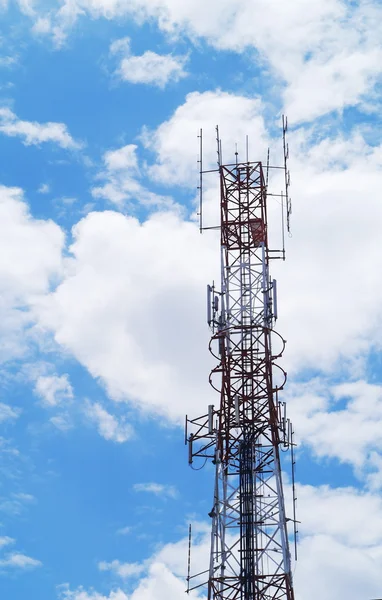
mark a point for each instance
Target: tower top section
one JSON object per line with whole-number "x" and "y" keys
{"x": 255, "y": 175}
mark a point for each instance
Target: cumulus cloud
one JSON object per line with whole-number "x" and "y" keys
{"x": 34, "y": 133}
{"x": 350, "y": 433}
{"x": 130, "y": 290}
{"x": 332, "y": 543}
{"x": 335, "y": 44}
{"x": 319, "y": 293}
{"x": 162, "y": 574}
{"x": 321, "y": 86}
{"x": 31, "y": 258}
{"x": 175, "y": 143}
{"x": 121, "y": 180}
{"x": 149, "y": 68}
{"x": 102, "y": 310}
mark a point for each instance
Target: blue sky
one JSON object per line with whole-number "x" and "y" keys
{"x": 103, "y": 274}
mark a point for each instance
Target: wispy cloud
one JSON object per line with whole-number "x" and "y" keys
{"x": 16, "y": 503}
{"x": 62, "y": 422}
{"x": 44, "y": 188}
{"x": 65, "y": 593}
{"x": 19, "y": 561}
{"x": 6, "y": 541}
{"x": 123, "y": 570}
{"x": 158, "y": 489}
{"x": 109, "y": 426}
{"x": 53, "y": 389}
{"x": 8, "y": 412}
{"x": 124, "y": 530}
{"x": 8, "y": 62}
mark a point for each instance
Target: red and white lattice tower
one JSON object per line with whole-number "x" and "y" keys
{"x": 244, "y": 435}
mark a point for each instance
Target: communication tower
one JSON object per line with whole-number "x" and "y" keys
{"x": 246, "y": 434}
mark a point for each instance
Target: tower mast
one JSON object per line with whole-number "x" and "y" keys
{"x": 244, "y": 435}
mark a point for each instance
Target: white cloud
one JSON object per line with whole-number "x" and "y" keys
{"x": 19, "y": 561}
{"x": 121, "y": 180}
{"x": 7, "y": 62}
{"x": 27, "y": 7}
{"x": 124, "y": 530}
{"x": 322, "y": 86}
{"x": 350, "y": 572}
{"x": 318, "y": 290}
{"x": 334, "y": 44}
{"x": 30, "y": 258}
{"x": 24, "y": 497}
{"x": 161, "y": 584}
{"x": 175, "y": 142}
{"x": 109, "y": 427}
{"x": 42, "y": 26}
{"x": 122, "y": 159}
{"x": 123, "y": 570}
{"x": 80, "y": 594}
{"x": 341, "y": 536}
{"x": 340, "y": 540}
{"x": 33, "y": 133}
{"x": 352, "y": 433}
{"x": 16, "y": 503}
{"x": 340, "y": 514}
{"x": 53, "y": 389}
{"x": 44, "y": 188}
{"x": 159, "y": 489}
{"x": 61, "y": 421}
{"x": 129, "y": 291}
{"x": 8, "y": 412}
{"x": 6, "y": 541}
{"x": 149, "y": 68}
{"x": 31, "y": 248}
{"x": 132, "y": 287}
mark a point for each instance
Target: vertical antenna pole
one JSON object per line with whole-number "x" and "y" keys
{"x": 219, "y": 146}
{"x": 293, "y": 491}
{"x": 286, "y": 172}
{"x": 189, "y": 559}
{"x": 268, "y": 157}
{"x": 247, "y": 147}
{"x": 283, "y": 223}
{"x": 200, "y": 186}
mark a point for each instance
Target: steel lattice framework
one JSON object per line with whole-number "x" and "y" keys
{"x": 250, "y": 558}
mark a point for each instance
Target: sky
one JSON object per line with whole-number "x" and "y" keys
{"x": 103, "y": 274}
